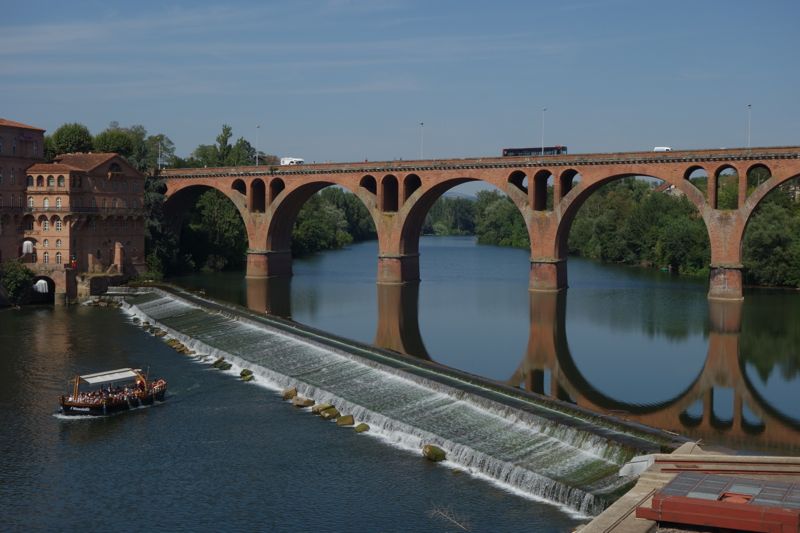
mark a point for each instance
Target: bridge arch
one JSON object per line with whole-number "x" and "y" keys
{"x": 239, "y": 185}
{"x": 571, "y": 204}
{"x": 284, "y": 209}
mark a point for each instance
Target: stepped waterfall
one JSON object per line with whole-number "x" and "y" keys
{"x": 529, "y": 447}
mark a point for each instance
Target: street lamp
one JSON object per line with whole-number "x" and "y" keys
{"x": 749, "y": 112}
{"x": 543, "y": 110}
{"x": 258, "y": 129}
{"x": 421, "y": 140}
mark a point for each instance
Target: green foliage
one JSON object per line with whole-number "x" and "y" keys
{"x": 771, "y": 247}
{"x": 215, "y": 235}
{"x": 728, "y": 191}
{"x": 224, "y": 154}
{"x": 450, "y": 216}
{"x": 320, "y": 225}
{"x": 360, "y": 225}
{"x": 17, "y": 280}
{"x": 133, "y": 143}
{"x": 498, "y": 221}
{"x": 629, "y": 222}
{"x": 72, "y": 137}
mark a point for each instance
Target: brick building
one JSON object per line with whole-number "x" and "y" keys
{"x": 81, "y": 214}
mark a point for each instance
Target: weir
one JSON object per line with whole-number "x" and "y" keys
{"x": 540, "y": 447}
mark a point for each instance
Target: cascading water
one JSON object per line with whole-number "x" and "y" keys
{"x": 555, "y": 458}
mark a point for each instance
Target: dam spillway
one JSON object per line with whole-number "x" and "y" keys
{"x": 538, "y": 447}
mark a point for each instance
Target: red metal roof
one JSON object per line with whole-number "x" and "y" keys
{"x": 733, "y": 502}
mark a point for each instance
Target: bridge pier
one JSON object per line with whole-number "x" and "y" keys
{"x": 394, "y": 269}
{"x": 548, "y": 275}
{"x": 269, "y": 263}
{"x": 725, "y": 282}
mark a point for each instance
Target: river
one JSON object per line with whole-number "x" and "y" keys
{"x": 643, "y": 345}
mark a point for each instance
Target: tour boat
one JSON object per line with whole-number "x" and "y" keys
{"x": 119, "y": 390}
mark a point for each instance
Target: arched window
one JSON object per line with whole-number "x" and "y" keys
{"x": 58, "y": 243}
{"x": 45, "y": 225}
{"x": 30, "y": 181}
{"x": 114, "y": 203}
{"x": 51, "y": 181}
{"x": 59, "y": 224}
{"x": 61, "y": 181}
{"x": 58, "y": 258}
{"x": 46, "y": 258}
{"x": 58, "y": 203}
{"x": 40, "y": 181}
{"x": 30, "y": 202}
{"x": 46, "y": 203}
{"x": 46, "y": 243}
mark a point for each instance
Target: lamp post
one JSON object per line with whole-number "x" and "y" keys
{"x": 543, "y": 111}
{"x": 421, "y": 140}
{"x": 749, "y": 112}
{"x": 258, "y": 129}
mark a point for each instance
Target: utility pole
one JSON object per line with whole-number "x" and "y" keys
{"x": 422, "y": 140}
{"x": 258, "y": 129}
{"x": 749, "y": 112}
{"x": 543, "y": 111}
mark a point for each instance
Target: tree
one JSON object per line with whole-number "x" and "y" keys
{"x": 17, "y": 280}
{"x": 72, "y": 137}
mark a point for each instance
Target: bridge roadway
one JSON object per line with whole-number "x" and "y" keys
{"x": 399, "y": 194}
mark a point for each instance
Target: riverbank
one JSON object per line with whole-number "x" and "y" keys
{"x": 490, "y": 430}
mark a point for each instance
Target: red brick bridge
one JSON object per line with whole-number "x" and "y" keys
{"x": 399, "y": 194}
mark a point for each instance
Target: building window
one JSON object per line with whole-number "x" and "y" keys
{"x": 40, "y": 181}
{"x": 30, "y": 202}
{"x": 1, "y": 145}
{"x": 114, "y": 203}
{"x": 58, "y": 258}
{"x": 61, "y": 181}
{"x": 58, "y": 203}
{"x": 51, "y": 181}
{"x": 46, "y": 203}
{"x": 14, "y": 147}
{"x": 59, "y": 225}
{"x": 13, "y": 177}
{"x": 46, "y": 258}
{"x": 29, "y": 224}
{"x": 46, "y": 243}
{"x": 36, "y": 148}
{"x": 1, "y": 176}
{"x": 45, "y": 225}
{"x": 1, "y": 200}
{"x": 29, "y": 181}
{"x": 58, "y": 243}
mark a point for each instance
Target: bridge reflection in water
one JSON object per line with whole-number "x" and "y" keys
{"x": 548, "y": 368}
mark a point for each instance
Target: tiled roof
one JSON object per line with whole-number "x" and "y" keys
{"x": 48, "y": 168}
{"x": 14, "y": 124}
{"x": 84, "y": 161}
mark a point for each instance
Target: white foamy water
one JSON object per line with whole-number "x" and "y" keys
{"x": 516, "y": 449}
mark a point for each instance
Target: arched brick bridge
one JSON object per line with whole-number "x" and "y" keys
{"x": 398, "y": 195}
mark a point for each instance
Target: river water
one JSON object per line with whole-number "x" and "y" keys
{"x": 220, "y": 455}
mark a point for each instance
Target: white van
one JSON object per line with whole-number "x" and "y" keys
{"x": 292, "y": 161}
{"x": 662, "y": 149}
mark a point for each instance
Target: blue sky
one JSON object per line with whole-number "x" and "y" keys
{"x": 348, "y": 80}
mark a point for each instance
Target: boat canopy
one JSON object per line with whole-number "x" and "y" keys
{"x": 111, "y": 375}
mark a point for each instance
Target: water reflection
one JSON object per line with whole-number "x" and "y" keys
{"x": 748, "y": 421}
{"x": 723, "y": 399}
{"x": 270, "y": 295}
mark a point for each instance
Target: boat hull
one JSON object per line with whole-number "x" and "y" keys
{"x": 70, "y": 408}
